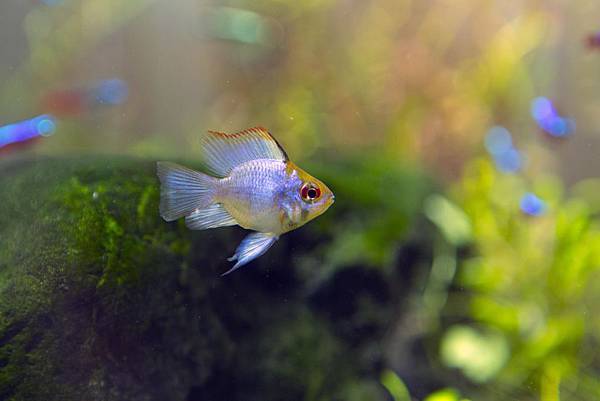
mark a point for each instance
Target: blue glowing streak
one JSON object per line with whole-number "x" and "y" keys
{"x": 498, "y": 140}
{"x": 43, "y": 125}
{"x": 548, "y": 119}
{"x": 532, "y": 205}
{"x": 111, "y": 92}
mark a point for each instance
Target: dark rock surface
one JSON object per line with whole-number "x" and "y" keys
{"x": 100, "y": 299}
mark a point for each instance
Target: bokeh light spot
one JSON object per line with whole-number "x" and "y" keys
{"x": 547, "y": 118}
{"x": 240, "y": 25}
{"x": 479, "y": 355}
{"x": 498, "y": 140}
{"x": 541, "y": 108}
{"x": 532, "y": 205}
{"x": 111, "y": 92}
{"x": 509, "y": 161}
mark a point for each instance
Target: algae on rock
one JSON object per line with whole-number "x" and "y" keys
{"x": 102, "y": 300}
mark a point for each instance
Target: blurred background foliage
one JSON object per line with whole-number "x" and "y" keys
{"x": 390, "y": 101}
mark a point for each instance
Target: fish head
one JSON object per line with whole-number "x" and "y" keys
{"x": 311, "y": 194}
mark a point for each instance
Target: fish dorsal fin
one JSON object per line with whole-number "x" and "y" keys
{"x": 223, "y": 152}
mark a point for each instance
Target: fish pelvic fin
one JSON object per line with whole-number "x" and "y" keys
{"x": 251, "y": 247}
{"x": 183, "y": 191}
{"x": 223, "y": 152}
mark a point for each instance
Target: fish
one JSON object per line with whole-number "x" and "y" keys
{"x": 80, "y": 100}
{"x": 249, "y": 181}
{"x": 24, "y": 133}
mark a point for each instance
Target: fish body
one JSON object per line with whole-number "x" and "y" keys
{"x": 264, "y": 195}
{"x": 253, "y": 184}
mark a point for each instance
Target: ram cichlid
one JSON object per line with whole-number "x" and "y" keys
{"x": 249, "y": 181}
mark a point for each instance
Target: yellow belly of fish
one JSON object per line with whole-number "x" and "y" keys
{"x": 263, "y": 220}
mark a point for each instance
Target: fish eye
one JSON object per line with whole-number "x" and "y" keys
{"x": 310, "y": 192}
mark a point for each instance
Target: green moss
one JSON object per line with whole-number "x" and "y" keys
{"x": 100, "y": 299}
{"x": 74, "y": 228}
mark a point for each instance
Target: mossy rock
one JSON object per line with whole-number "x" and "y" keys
{"x": 100, "y": 299}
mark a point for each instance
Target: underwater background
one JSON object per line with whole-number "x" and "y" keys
{"x": 460, "y": 261}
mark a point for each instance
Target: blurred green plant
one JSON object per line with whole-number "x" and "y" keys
{"x": 447, "y": 394}
{"x": 480, "y": 356}
{"x": 399, "y": 392}
{"x": 395, "y": 386}
{"x": 532, "y": 285}
{"x": 390, "y": 196}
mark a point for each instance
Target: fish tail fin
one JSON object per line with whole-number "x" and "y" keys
{"x": 183, "y": 190}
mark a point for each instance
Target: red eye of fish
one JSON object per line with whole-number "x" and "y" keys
{"x": 310, "y": 192}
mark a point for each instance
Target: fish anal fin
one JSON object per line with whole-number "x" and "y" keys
{"x": 251, "y": 247}
{"x": 223, "y": 151}
{"x": 211, "y": 217}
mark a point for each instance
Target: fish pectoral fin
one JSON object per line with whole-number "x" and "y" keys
{"x": 223, "y": 152}
{"x": 251, "y": 247}
{"x": 211, "y": 217}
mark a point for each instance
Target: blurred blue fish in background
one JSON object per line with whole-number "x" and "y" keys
{"x": 547, "y": 118}
{"x": 110, "y": 92}
{"x": 76, "y": 101}
{"x": 27, "y": 131}
{"x": 499, "y": 144}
